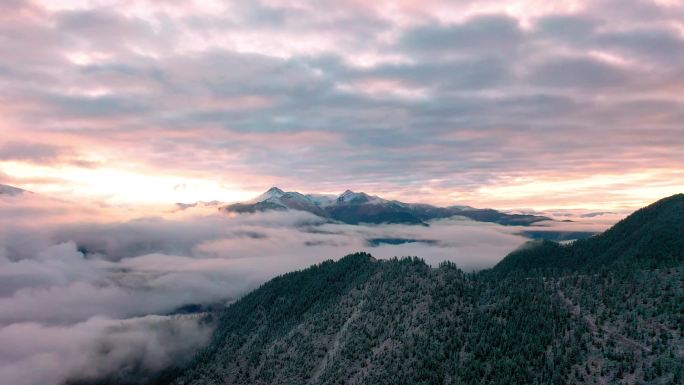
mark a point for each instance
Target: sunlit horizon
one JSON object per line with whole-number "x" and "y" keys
{"x": 505, "y": 149}
{"x": 516, "y": 105}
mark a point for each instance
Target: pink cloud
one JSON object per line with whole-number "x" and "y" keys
{"x": 438, "y": 99}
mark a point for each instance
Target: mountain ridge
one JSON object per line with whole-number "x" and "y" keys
{"x": 652, "y": 236}
{"x": 358, "y": 207}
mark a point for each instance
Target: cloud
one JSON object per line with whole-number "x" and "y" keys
{"x": 33, "y": 152}
{"x": 580, "y": 73}
{"x": 32, "y": 353}
{"x": 489, "y": 35}
{"x": 569, "y": 103}
{"x": 83, "y": 296}
{"x": 453, "y": 99}
{"x": 567, "y": 28}
{"x": 657, "y": 44}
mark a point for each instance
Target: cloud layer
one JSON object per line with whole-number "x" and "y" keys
{"x": 34, "y": 353}
{"x": 533, "y": 104}
{"x": 528, "y": 104}
{"x": 84, "y": 298}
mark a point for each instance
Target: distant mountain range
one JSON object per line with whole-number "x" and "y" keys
{"x": 10, "y": 190}
{"x": 606, "y": 310}
{"x": 358, "y": 207}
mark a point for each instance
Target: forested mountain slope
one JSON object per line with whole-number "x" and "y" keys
{"x": 649, "y": 238}
{"x": 403, "y": 322}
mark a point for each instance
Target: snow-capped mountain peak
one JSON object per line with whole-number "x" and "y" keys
{"x": 275, "y": 190}
{"x": 351, "y": 197}
{"x": 270, "y": 194}
{"x": 277, "y": 196}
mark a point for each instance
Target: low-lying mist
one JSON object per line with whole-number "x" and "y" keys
{"x": 84, "y": 296}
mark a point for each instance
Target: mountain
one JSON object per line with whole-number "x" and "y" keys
{"x": 652, "y": 237}
{"x": 358, "y": 207}
{"x": 614, "y": 315}
{"x": 10, "y": 190}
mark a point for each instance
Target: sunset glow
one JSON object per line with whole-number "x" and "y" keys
{"x": 524, "y": 104}
{"x": 341, "y": 192}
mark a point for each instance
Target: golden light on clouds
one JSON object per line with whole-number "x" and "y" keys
{"x": 524, "y": 103}
{"x": 593, "y": 192}
{"x": 120, "y": 186}
{"x": 129, "y": 187}
{"x": 131, "y": 122}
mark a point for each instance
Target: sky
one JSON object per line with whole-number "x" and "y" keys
{"x": 109, "y": 109}
{"x": 517, "y": 104}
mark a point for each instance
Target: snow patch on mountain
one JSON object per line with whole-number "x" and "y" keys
{"x": 351, "y": 197}
{"x": 322, "y": 199}
{"x": 271, "y": 194}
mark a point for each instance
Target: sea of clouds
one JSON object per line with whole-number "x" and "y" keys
{"x": 87, "y": 292}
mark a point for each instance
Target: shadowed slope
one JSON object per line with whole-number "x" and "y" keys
{"x": 650, "y": 237}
